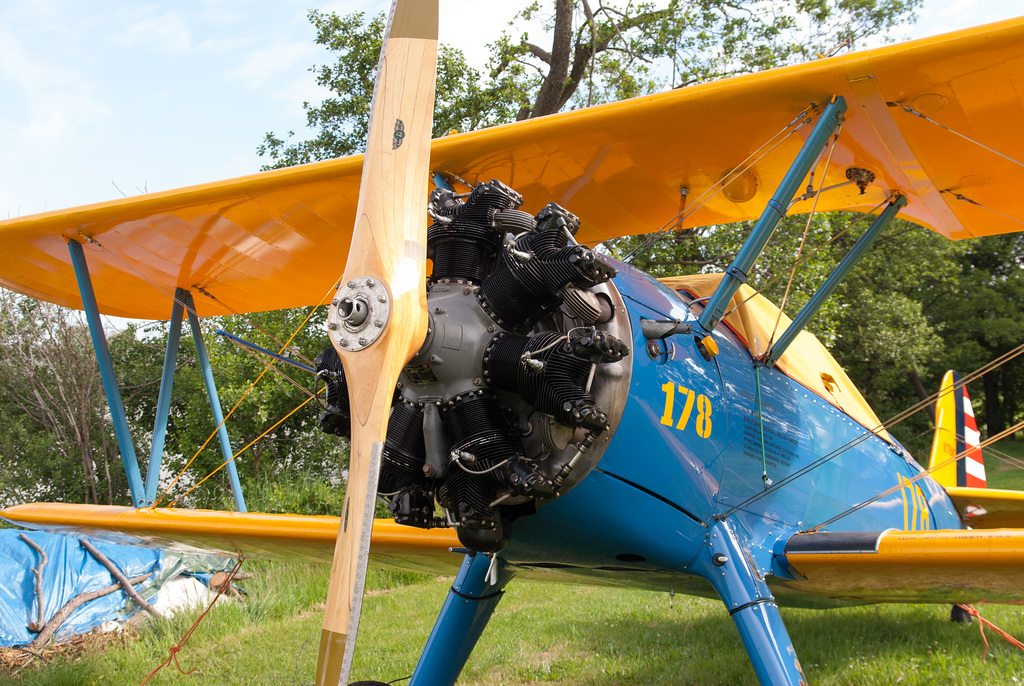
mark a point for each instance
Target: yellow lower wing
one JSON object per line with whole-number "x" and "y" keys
{"x": 910, "y": 566}
{"x": 268, "y": 536}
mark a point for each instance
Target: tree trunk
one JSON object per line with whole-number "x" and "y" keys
{"x": 922, "y": 393}
{"x": 994, "y": 420}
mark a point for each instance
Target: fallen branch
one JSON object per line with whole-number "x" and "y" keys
{"x": 221, "y": 581}
{"x": 116, "y": 573}
{"x": 35, "y": 627}
{"x": 62, "y": 614}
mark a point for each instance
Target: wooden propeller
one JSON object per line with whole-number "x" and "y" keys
{"x": 378, "y": 318}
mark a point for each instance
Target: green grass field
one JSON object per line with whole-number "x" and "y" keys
{"x": 548, "y": 634}
{"x": 1004, "y": 465}
{"x": 545, "y": 634}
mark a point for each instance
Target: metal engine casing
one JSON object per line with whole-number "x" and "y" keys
{"x": 549, "y": 306}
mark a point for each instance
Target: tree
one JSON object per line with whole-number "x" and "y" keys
{"x": 595, "y": 53}
{"x": 295, "y": 446}
{"x": 57, "y": 441}
{"x": 341, "y": 121}
{"x": 602, "y": 52}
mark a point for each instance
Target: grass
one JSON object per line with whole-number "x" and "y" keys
{"x": 1002, "y": 465}
{"x": 544, "y": 634}
{"x": 541, "y": 633}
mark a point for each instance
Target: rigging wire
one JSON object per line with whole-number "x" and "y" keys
{"x": 202, "y": 291}
{"x": 245, "y": 394}
{"x": 960, "y": 196}
{"x": 807, "y": 228}
{"x": 914, "y": 479}
{"x": 771, "y": 282}
{"x": 279, "y": 371}
{"x": 714, "y": 190}
{"x": 249, "y": 445}
{"x": 911, "y": 110}
{"x": 868, "y": 433}
{"x": 270, "y": 365}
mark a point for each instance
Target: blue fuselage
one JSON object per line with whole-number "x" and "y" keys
{"x": 692, "y": 445}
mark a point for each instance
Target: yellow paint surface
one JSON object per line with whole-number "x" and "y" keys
{"x": 268, "y": 536}
{"x": 921, "y": 566}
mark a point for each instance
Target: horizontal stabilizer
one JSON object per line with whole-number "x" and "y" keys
{"x": 989, "y": 508}
{"x": 908, "y": 566}
{"x": 254, "y": 535}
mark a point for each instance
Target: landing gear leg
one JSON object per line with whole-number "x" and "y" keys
{"x": 466, "y": 610}
{"x": 960, "y": 615}
{"x": 753, "y": 608}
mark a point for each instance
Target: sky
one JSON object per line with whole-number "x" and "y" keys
{"x": 104, "y": 98}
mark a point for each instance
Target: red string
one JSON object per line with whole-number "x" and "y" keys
{"x": 982, "y": 623}
{"x": 173, "y": 652}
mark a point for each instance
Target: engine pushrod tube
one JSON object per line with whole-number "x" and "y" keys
{"x": 113, "y": 393}
{"x": 834, "y": 279}
{"x": 773, "y": 213}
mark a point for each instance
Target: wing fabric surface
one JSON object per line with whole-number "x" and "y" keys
{"x": 278, "y": 239}
{"x": 909, "y": 566}
{"x": 268, "y": 536}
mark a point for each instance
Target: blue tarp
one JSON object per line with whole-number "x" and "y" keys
{"x": 69, "y": 571}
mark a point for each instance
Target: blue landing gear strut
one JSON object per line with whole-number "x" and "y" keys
{"x": 464, "y": 615}
{"x": 753, "y": 608}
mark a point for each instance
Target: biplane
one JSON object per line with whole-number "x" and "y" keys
{"x": 529, "y": 407}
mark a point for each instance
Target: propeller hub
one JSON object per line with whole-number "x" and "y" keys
{"x": 359, "y": 313}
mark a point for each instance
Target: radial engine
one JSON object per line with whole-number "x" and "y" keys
{"x": 521, "y": 380}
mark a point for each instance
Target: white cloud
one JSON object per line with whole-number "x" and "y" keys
{"x": 155, "y": 31}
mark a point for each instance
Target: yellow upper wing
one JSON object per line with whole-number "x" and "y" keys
{"x": 279, "y": 239}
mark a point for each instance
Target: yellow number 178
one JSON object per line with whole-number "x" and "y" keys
{"x": 703, "y": 423}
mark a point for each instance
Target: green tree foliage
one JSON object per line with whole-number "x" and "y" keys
{"x": 602, "y": 52}
{"x": 57, "y": 441}
{"x": 341, "y": 121}
{"x": 586, "y": 54}
{"x": 294, "y": 447}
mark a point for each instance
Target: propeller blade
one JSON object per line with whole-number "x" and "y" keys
{"x": 378, "y": 318}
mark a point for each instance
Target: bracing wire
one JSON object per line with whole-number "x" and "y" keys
{"x": 771, "y": 282}
{"x": 248, "y": 445}
{"x": 252, "y": 385}
{"x": 868, "y": 433}
{"x": 245, "y": 394}
{"x": 910, "y": 110}
{"x": 711, "y": 192}
{"x": 807, "y": 228}
{"x": 250, "y": 322}
{"x": 917, "y": 477}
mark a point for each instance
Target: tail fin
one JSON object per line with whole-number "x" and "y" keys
{"x": 956, "y": 433}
